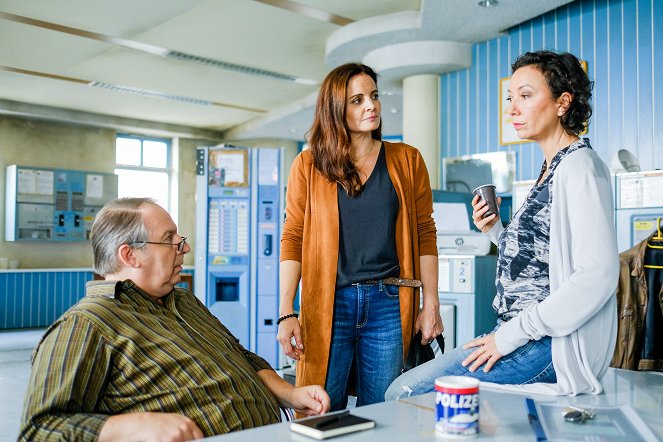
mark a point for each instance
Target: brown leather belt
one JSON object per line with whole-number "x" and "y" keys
{"x": 394, "y": 281}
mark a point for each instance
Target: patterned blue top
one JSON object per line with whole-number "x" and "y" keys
{"x": 522, "y": 263}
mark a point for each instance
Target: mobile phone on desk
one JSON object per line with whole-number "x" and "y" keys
{"x": 331, "y": 424}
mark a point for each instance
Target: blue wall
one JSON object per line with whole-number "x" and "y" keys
{"x": 37, "y": 298}
{"x": 622, "y": 42}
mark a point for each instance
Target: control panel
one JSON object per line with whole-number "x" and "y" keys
{"x": 54, "y": 204}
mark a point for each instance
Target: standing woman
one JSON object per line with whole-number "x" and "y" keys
{"x": 358, "y": 212}
{"x": 558, "y": 266}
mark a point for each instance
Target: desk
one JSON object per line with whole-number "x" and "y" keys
{"x": 503, "y": 414}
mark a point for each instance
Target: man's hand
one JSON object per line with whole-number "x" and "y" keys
{"x": 486, "y": 353}
{"x": 148, "y": 427}
{"x": 309, "y": 401}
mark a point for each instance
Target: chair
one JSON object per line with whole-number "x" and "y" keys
{"x": 287, "y": 413}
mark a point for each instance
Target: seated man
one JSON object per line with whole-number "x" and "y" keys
{"x": 138, "y": 359}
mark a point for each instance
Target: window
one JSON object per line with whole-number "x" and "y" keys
{"x": 144, "y": 168}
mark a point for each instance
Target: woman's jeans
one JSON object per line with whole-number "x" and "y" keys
{"x": 526, "y": 365}
{"x": 367, "y": 329}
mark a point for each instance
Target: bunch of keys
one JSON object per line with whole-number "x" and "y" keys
{"x": 577, "y": 415}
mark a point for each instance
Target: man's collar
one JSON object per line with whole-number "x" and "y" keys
{"x": 110, "y": 289}
{"x": 103, "y": 289}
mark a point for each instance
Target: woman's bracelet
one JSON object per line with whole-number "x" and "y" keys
{"x": 284, "y": 317}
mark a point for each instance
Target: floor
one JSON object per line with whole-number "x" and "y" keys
{"x": 15, "y": 350}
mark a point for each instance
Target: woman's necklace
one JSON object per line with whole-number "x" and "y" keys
{"x": 365, "y": 156}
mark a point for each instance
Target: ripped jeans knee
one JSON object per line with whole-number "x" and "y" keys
{"x": 398, "y": 390}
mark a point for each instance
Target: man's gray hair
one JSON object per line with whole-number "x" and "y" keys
{"x": 119, "y": 222}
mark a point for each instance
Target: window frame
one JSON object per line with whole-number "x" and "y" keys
{"x": 168, "y": 169}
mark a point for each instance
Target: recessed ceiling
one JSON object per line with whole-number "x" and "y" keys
{"x": 52, "y": 54}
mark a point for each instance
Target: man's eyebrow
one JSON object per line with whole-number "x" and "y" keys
{"x": 167, "y": 233}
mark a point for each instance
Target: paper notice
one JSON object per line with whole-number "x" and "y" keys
{"x": 44, "y": 182}
{"x": 233, "y": 167}
{"x": 27, "y": 182}
{"x": 94, "y": 187}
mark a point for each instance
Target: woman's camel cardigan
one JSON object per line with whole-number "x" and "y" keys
{"x": 311, "y": 235}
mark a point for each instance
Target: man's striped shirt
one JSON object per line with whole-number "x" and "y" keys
{"x": 118, "y": 351}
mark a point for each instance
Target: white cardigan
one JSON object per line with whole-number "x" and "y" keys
{"x": 580, "y": 314}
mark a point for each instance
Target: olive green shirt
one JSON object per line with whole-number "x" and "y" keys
{"x": 118, "y": 351}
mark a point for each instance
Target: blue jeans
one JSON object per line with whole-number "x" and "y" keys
{"x": 367, "y": 329}
{"x": 526, "y": 365}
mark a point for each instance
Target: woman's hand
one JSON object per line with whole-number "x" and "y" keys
{"x": 429, "y": 322}
{"x": 289, "y": 329}
{"x": 480, "y": 208}
{"x": 486, "y": 353}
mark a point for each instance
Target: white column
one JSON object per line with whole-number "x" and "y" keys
{"x": 421, "y": 121}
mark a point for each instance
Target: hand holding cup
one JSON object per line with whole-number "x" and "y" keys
{"x": 486, "y": 207}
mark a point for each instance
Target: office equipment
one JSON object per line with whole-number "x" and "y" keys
{"x": 452, "y": 212}
{"x": 463, "y": 243}
{"x": 43, "y": 204}
{"x": 466, "y": 288}
{"x": 638, "y": 203}
{"x": 239, "y": 215}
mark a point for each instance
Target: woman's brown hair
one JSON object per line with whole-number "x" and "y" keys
{"x": 329, "y": 136}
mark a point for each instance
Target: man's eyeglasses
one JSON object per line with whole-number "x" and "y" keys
{"x": 180, "y": 245}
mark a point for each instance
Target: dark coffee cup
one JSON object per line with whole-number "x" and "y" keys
{"x": 487, "y": 193}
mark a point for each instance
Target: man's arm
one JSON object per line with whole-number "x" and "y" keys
{"x": 309, "y": 400}
{"x": 68, "y": 374}
{"x": 67, "y": 380}
{"x": 149, "y": 427}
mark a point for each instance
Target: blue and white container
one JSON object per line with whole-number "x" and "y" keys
{"x": 456, "y": 406}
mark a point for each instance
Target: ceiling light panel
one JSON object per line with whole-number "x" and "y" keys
{"x": 247, "y": 70}
{"x": 131, "y": 68}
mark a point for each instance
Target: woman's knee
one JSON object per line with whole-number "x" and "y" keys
{"x": 397, "y": 390}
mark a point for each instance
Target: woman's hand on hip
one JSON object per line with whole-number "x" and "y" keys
{"x": 480, "y": 208}
{"x": 289, "y": 330}
{"x": 429, "y": 322}
{"x": 485, "y": 353}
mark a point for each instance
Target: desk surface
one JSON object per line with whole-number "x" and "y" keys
{"x": 503, "y": 414}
